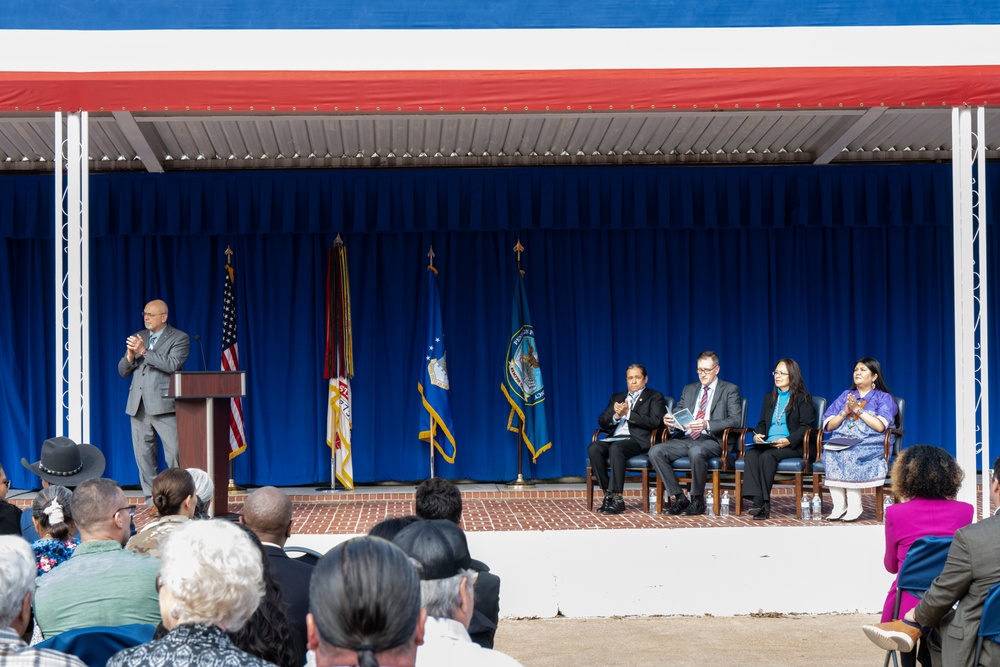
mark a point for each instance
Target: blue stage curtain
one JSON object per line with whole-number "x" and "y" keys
{"x": 622, "y": 265}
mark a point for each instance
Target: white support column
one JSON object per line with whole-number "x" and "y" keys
{"x": 58, "y": 250}
{"x": 983, "y": 311}
{"x": 71, "y": 280}
{"x": 964, "y": 260}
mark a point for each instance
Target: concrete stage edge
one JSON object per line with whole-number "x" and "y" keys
{"x": 692, "y": 571}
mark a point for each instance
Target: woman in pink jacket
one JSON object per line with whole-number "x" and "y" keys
{"x": 925, "y": 481}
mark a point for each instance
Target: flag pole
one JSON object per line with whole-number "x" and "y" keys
{"x": 233, "y": 488}
{"x": 519, "y": 482}
{"x": 433, "y": 425}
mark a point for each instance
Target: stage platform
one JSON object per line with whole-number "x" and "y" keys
{"x": 557, "y": 558}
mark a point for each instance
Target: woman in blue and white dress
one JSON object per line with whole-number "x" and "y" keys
{"x": 858, "y": 420}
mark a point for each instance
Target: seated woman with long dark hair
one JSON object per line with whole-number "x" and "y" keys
{"x": 784, "y": 419}
{"x": 857, "y": 421}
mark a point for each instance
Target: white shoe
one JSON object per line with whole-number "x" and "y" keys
{"x": 839, "y": 498}
{"x": 854, "y": 508}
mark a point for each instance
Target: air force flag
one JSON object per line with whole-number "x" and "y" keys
{"x": 434, "y": 388}
{"x": 522, "y": 384}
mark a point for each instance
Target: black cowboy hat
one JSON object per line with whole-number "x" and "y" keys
{"x": 66, "y": 463}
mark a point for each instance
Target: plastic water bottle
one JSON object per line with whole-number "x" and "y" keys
{"x": 724, "y": 509}
{"x": 886, "y": 504}
{"x": 817, "y": 508}
{"x": 709, "y": 503}
{"x": 804, "y": 505}
{"x": 652, "y": 500}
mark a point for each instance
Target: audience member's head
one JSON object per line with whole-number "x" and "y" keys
{"x": 387, "y": 529}
{"x": 211, "y": 575}
{"x": 204, "y": 488}
{"x": 17, "y": 581}
{"x": 446, "y": 574}
{"x": 267, "y": 634}
{"x": 995, "y": 483}
{"x": 923, "y": 471}
{"x": 364, "y": 606}
{"x": 101, "y": 511}
{"x": 4, "y": 484}
{"x": 173, "y": 493}
{"x": 66, "y": 463}
{"x": 268, "y": 513}
{"x": 52, "y": 513}
{"x": 437, "y": 498}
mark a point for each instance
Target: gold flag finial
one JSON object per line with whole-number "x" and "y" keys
{"x": 518, "y": 248}
{"x": 229, "y": 255}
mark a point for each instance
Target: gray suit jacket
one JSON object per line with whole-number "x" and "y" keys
{"x": 973, "y": 566}
{"x": 725, "y": 411}
{"x": 151, "y": 374}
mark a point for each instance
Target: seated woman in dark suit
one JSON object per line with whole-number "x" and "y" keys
{"x": 786, "y": 415}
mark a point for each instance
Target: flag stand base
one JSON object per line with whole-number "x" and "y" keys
{"x": 233, "y": 489}
{"x": 332, "y": 488}
{"x": 520, "y": 483}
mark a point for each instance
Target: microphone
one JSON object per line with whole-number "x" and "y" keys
{"x": 204, "y": 363}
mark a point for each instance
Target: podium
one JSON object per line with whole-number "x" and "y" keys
{"x": 201, "y": 402}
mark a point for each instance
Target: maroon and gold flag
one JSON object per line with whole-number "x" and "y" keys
{"x": 339, "y": 365}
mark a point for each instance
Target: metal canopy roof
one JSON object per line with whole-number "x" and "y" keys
{"x": 158, "y": 142}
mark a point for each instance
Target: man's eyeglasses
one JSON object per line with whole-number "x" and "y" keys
{"x": 145, "y": 314}
{"x": 5, "y": 482}
{"x": 706, "y": 371}
{"x": 130, "y": 509}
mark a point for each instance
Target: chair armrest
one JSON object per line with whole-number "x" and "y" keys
{"x": 743, "y": 442}
{"x": 729, "y": 433}
{"x": 598, "y": 434}
{"x": 659, "y": 435}
{"x": 817, "y": 442}
{"x": 812, "y": 445}
{"x": 890, "y": 447}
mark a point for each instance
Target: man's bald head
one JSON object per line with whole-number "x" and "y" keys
{"x": 154, "y": 316}
{"x": 268, "y": 513}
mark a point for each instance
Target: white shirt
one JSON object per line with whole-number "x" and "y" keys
{"x": 708, "y": 403}
{"x": 631, "y": 399}
{"x": 447, "y": 644}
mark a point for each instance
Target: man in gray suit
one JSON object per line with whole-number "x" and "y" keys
{"x": 972, "y": 568}
{"x": 716, "y": 406}
{"x": 151, "y": 356}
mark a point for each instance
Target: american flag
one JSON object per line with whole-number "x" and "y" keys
{"x": 231, "y": 361}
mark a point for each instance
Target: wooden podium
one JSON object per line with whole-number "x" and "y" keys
{"x": 201, "y": 401}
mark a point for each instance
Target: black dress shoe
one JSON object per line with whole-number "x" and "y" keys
{"x": 696, "y": 508}
{"x": 616, "y": 506}
{"x": 764, "y": 512}
{"x": 605, "y": 505}
{"x": 756, "y": 507}
{"x": 679, "y": 505}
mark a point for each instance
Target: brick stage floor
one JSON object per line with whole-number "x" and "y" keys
{"x": 491, "y": 507}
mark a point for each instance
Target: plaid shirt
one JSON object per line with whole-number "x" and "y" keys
{"x": 15, "y": 653}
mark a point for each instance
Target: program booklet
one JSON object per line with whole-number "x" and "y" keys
{"x": 840, "y": 444}
{"x": 683, "y": 417}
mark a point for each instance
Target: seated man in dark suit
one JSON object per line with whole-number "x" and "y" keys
{"x": 631, "y": 417}
{"x": 716, "y": 406}
{"x": 268, "y": 513}
{"x": 437, "y": 498}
